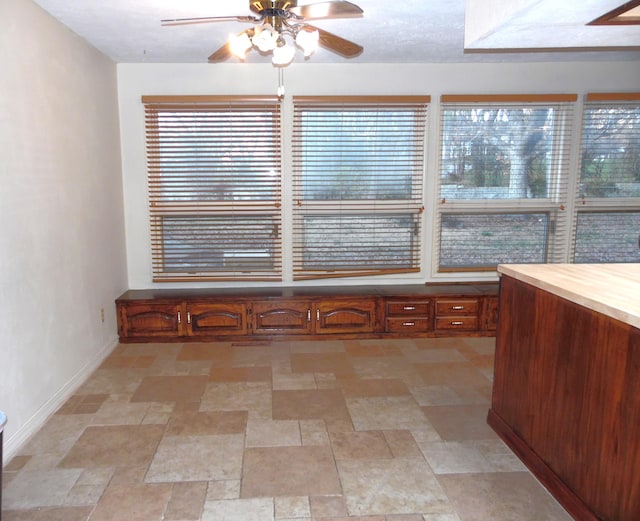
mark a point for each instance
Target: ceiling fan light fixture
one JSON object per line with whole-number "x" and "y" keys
{"x": 266, "y": 38}
{"x": 239, "y": 45}
{"x": 283, "y": 55}
{"x": 307, "y": 39}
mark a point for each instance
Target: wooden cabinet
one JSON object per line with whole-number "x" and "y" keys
{"x": 211, "y": 319}
{"x": 345, "y": 316}
{"x": 336, "y": 311}
{"x": 150, "y": 319}
{"x": 457, "y": 314}
{"x": 489, "y": 314}
{"x": 408, "y": 316}
{"x": 281, "y": 317}
{"x": 566, "y": 388}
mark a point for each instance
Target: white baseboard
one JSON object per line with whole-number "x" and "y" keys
{"x": 13, "y": 444}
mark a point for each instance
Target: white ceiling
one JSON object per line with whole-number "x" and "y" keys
{"x": 391, "y": 31}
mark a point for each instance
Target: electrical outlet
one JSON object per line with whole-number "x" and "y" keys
{"x": 102, "y": 315}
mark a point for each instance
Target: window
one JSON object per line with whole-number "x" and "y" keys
{"x": 358, "y": 166}
{"x": 503, "y": 181}
{"x": 214, "y": 175}
{"x": 607, "y": 224}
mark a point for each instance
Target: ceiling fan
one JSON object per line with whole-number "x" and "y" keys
{"x": 278, "y": 21}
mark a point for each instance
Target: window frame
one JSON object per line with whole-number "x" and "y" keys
{"x": 305, "y": 207}
{"x": 168, "y": 176}
{"x": 585, "y": 204}
{"x": 554, "y": 204}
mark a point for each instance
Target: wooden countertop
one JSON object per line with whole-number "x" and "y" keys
{"x": 611, "y": 289}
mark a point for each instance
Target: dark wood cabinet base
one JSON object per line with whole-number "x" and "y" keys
{"x": 339, "y": 312}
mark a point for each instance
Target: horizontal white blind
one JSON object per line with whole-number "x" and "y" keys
{"x": 503, "y": 180}
{"x": 214, "y": 177}
{"x": 358, "y": 166}
{"x": 610, "y": 152}
{"x": 607, "y": 219}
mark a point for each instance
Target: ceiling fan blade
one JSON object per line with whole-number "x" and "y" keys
{"x": 208, "y": 19}
{"x": 333, "y": 9}
{"x": 221, "y": 54}
{"x": 337, "y": 44}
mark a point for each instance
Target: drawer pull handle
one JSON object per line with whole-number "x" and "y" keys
{"x": 457, "y": 323}
{"x": 179, "y": 318}
{"x": 408, "y": 324}
{"x": 457, "y": 308}
{"x": 188, "y": 317}
{"x": 409, "y": 308}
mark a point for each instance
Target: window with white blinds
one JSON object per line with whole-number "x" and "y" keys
{"x": 214, "y": 177}
{"x": 358, "y": 174}
{"x": 503, "y": 180}
{"x": 607, "y": 221}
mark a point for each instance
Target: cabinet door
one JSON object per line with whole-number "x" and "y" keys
{"x": 489, "y": 315}
{"x": 138, "y": 319}
{"x": 345, "y": 316}
{"x": 216, "y": 318}
{"x": 281, "y": 317}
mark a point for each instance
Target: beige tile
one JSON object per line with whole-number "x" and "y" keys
{"x": 384, "y": 367}
{"x": 289, "y": 471}
{"x": 460, "y": 422}
{"x": 445, "y": 373}
{"x": 16, "y": 463}
{"x": 335, "y": 363}
{"x": 186, "y": 501}
{"x": 360, "y": 445}
{"x": 170, "y": 389}
{"x": 501, "y": 497}
{"x": 191, "y": 423}
{"x": 386, "y": 413}
{"x": 363, "y": 387}
{"x": 434, "y": 355}
{"x": 402, "y": 444}
{"x": 197, "y": 458}
{"x": 133, "y": 502}
{"x": 240, "y": 374}
{"x": 319, "y": 404}
{"x": 84, "y": 495}
{"x": 118, "y": 413}
{"x": 205, "y": 351}
{"x": 110, "y": 446}
{"x": 273, "y": 433}
{"x": 253, "y": 509}
{"x": 223, "y": 489}
{"x": 393, "y": 486}
{"x": 254, "y": 397}
{"x": 294, "y": 507}
{"x": 455, "y": 457}
{"x": 314, "y": 432}
{"x": 57, "y": 435}
{"x": 43, "y": 488}
{"x": 286, "y": 381}
{"x": 328, "y": 506}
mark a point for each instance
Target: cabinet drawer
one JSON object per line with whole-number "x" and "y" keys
{"x": 456, "y": 307}
{"x": 407, "y": 325}
{"x": 461, "y": 322}
{"x": 408, "y": 308}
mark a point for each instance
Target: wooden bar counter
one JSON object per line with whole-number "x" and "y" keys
{"x": 566, "y": 394}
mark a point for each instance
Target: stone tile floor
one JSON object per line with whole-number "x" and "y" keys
{"x": 375, "y": 430}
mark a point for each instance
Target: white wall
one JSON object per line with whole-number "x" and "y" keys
{"x": 62, "y": 255}
{"x": 135, "y": 80}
